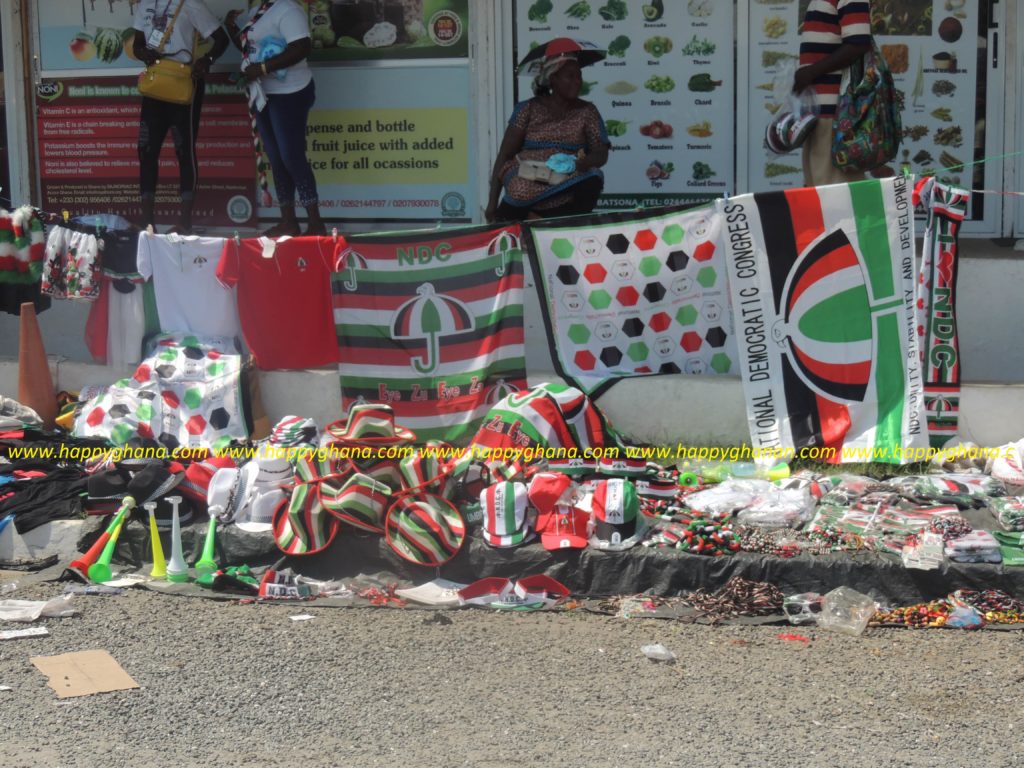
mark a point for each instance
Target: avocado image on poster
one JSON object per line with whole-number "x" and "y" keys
{"x": 353, "y": 30}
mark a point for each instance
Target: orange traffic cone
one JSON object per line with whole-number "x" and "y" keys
{"x": 35, "y": 385}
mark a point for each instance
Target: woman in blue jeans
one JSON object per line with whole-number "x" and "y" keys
{"x": 275, "y": 44}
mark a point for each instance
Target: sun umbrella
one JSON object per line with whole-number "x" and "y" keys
{"x": 584, "y": 52}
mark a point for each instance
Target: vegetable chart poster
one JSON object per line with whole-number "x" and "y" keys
{"x": 931, "y": 48}
{"x": 665, "y": 91}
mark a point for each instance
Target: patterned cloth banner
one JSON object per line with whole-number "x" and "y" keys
{"x": 822, "y": 285}
{"x": 633, "y": 294}
{"x": 186, "y": 393}
{"x": 432, "y": 323}
{"x": 936, "y": 307}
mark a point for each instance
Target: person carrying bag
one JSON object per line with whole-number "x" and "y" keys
{"x": 172, "y": 88}
{"x": 167, "y": 79}
{"x": 867, "y": 129}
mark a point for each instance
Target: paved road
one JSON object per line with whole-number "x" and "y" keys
{"x": 242, "y": 685}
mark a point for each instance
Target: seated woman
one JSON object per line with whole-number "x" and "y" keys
{"x": 555, "y": 122}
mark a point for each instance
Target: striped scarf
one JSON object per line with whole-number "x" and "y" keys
{"x": 261, "y": 162}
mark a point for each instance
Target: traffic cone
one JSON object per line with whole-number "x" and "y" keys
{"x": 35, "y": 385}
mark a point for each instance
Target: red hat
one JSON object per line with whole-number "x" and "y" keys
{"x": 196, "y": 485}
{"x": 546, "y": 489}
{"x": 565, "y": 528}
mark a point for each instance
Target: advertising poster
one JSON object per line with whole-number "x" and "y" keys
{"x": 97, "y": 34}
{"x": 665, "y": 91}
{"x": 932, "y": 50}
{"x": 369, "y": 30}
{"x": 88, "y": 132}
{"x": 392, "y": 144}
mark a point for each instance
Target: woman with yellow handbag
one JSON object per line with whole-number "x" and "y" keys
{"x": 167, "y": 31}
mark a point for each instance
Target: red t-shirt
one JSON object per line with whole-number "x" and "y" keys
{"x": 284, "y": 298}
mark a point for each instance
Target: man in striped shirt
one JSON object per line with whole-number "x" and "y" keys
{"x": 836, "y": 33}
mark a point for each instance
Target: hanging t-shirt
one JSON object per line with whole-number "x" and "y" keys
{"x": 284, "y": 298}
{"x": 288, "y": 21}
{"x": 188, "y": 295}
{"x": 153, "y": 17}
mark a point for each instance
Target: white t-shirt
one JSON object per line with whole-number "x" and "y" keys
{"x": 189, "y": 297}
{"x": 154, "y": 16}
{"x": 288, "y": 20}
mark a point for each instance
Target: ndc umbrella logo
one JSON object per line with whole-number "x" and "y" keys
{"x": 502, "y": 245}
{"x": 828, "y": 314}
{"x": 430, "y": 317}
{"x": 499, "y": 391}
{"x": 353, "y": 261}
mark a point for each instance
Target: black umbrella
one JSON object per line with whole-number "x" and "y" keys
{"x": 584, "y": 52}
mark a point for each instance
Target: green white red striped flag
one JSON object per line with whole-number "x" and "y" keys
{"x": 823, "y": 295}
{"x": 432, "y": 324}
{"x": 936, "y": 307}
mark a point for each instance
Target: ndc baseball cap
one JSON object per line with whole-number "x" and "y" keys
{"x": 564, "y": 528}
{"x": 506, "y": 515}
{"x": 623, "y": 467}
{"x": 548, "y": 489}
{"x": 618, "y": 524}
{"x": 573, "y": 467}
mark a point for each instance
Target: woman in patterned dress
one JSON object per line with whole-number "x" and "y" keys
{"x": 555, "y": 121}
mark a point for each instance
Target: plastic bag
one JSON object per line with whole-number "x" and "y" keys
{"x": 846, "y": 610}
{"x": 658, "y": 652}
{"x": 30, "y": 610}
{"x": 561, "y": 163}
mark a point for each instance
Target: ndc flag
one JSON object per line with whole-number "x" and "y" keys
{"x": 432, "y": 324}
{"x": 633, "y": 294}
{"x": 823, "y": 297}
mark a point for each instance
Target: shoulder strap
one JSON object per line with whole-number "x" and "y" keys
{"x": 170, "y": 27}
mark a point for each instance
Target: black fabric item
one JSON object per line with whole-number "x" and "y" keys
{"x": 152, "y": 482}
{"x": 13, "y": 295}
{"x": 57, "y": 496}
{"x": 110, "y": 484}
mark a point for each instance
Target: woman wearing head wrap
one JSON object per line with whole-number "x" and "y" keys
{"x": 559, "y": 130}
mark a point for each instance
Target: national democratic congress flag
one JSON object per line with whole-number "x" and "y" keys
{"x": 432, "y": 323}
{"x": 823, "y": 295}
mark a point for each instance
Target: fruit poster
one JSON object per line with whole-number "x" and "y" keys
{"x": 932, "y": 51}
{"x": 77, "y": 35}
{"x": 368, "y": 30}
{"x": 665, "y": 91}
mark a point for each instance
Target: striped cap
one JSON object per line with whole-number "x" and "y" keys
{"x": 295, "y": 431}
{"x": 573, "y": 467}
{"x": 370, "y": 424}
{"x": 616, "y": 510}
{"x": 424, "y": 529}
{"x": 506, "y": 518}
{"x": 382, "y": 470}
{"x": 359, "y": 501}
{"x": 423, "y": 469}
{"x": 302, "y": 526}
{"x": 622, "y": 467}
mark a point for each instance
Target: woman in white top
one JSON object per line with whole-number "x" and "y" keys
{"x": 170, "y": 29}
{"x": 275, "y": 44}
